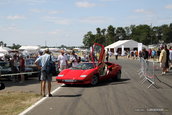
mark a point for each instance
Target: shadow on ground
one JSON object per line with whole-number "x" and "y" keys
{"x": 103, "y": 83}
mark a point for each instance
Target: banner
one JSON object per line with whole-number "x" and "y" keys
{"x": 123, "y": 52}
{"x": 140, "y": 46}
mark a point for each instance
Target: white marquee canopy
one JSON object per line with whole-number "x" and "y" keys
{"x": 126, "y": 43}
{"x": 30, "y": 48}
{"x": 4, "y": 50}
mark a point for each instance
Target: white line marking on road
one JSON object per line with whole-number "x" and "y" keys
{"x": 40, "y": 101}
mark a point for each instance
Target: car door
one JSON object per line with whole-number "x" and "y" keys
{"x": 97, "y": 55}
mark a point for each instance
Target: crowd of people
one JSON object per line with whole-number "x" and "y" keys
{"x": 163, "y": 55}
{"x": 16, "y": 62}
{"x": 65, "y": 60}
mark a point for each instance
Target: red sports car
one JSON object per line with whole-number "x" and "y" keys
{"x": 91, "y": 72}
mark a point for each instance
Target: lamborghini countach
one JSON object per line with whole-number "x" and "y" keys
{"x": 91, "y": 72}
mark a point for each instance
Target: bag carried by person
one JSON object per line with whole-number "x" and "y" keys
{"x": 50, "y": 67}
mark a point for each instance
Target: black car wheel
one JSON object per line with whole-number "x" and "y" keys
{"x": 117, "y": 77}
{"x": 94, "y": 80}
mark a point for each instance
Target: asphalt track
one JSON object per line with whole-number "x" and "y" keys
{"x": 125, "y": 97}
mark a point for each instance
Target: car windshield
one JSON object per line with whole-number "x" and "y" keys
{"x": 96, "y": 53}
{"x": 83, "y": 66}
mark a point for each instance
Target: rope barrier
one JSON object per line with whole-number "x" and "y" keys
{"x": 22, "y": 73}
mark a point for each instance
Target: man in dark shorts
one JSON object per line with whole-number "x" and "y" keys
{"x": 44, "y": 75}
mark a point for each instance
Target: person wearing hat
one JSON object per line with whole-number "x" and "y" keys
{"x": 62, "y": 61}
{"x": 162, "y": 60}
{"x": 44, "y": 59}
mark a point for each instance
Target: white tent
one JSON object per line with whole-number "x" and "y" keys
{"x": 2, "y": 54}
{"x": 4, "y": 50}
{"x": 30, "y": 48}
{"x": 126, "y": 43}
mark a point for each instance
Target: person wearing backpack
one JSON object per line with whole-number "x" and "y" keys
{"x": 46, "y": 75}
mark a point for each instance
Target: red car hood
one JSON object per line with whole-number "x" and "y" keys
{"x": 74, "y": 74}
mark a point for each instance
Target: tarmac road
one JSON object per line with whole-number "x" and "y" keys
{"x": 125, "y": 97}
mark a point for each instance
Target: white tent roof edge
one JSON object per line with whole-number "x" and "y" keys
{"x": 127, "y": 44}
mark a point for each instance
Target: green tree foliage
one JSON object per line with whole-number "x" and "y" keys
{"x": 141, "y": 34}
{"x": 145, "y": 34}
{"x": 110, "y": 36}
{"x": 120, "y": 33}
{"x": 89, "y": 39}
{"x": 15, "y": 46}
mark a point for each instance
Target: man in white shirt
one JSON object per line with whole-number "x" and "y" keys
{"x": 62, "y": 61}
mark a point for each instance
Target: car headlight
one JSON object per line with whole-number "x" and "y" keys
{"x": 83, "y": 76}
{"x": 60, "y": 75}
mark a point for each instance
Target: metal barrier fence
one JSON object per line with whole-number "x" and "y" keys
{"x": 12, "y": 75}
{"x": 22, "y": 73}
{"x": 147, "y": 71}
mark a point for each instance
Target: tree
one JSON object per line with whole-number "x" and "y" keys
{"x": 110, "y": 36}
{"x": 88, "y": 39}
{"x": 99, "y": 37}
{"x": 15, "y": 46}
{"x": 141, "y": 34}
{"x": 120, "y": 33}
{"x": 127, "y": 32}
{"x": 1, "y": 43}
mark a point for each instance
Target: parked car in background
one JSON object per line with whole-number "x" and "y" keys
{"x": 29, "y": 63}
{"x": 5, "y": 67}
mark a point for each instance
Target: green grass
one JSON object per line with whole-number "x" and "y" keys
{"x": 12, "y": 103}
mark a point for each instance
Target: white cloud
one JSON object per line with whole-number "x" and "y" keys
{"x": 143, "y": 11}
{"x": 168, "y": 6}
{"x": 84, "y": 4}
{"x": 57, "y": 20}
{"x": 15, "y": 17}
{"x": 10, "y": 28}
{"x": 46, "y": 11}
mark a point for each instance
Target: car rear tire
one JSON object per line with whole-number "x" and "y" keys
{"x": 94, "y": 80}
{"x": 117, "y": 76}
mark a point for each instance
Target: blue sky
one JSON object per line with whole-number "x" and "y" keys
{"x": 57, "y": 22}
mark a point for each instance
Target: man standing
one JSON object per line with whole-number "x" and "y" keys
{"x": 22, "y": 68}
{"x": 74, "y": 59}
{"x": 62, "y": 61}
{"x": 162, "y": 60}
{"x": 44, "y": 60}
{"x": 145, "y": 54}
